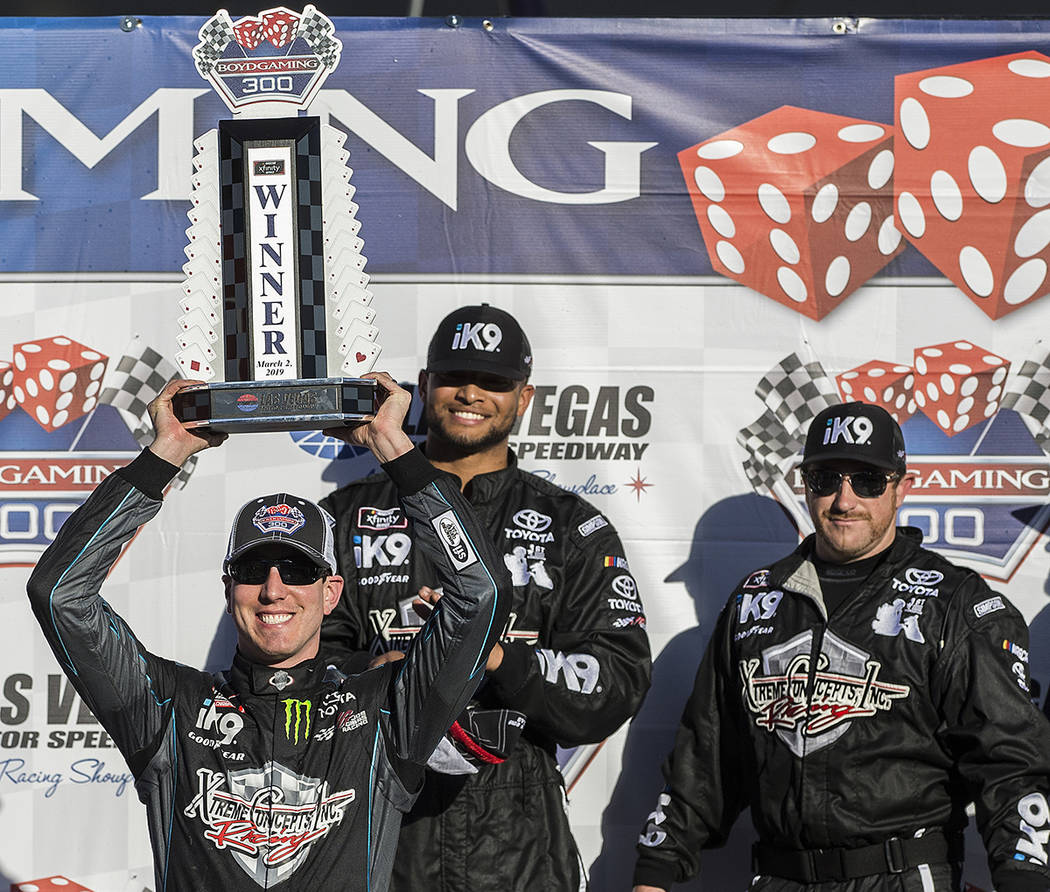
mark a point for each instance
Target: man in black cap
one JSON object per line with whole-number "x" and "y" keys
{"x": 288, "y": 768}
{"x": 572, "y": 664}
{"x": 857, "y": 695}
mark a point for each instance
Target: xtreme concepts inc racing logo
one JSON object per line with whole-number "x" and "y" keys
{"x": 267, "y": 817}
{"x": 974, "y": 429}
{"x": 845, "y": 687}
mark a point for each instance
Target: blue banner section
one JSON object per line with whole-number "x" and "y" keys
{"x": 539, "y": 146}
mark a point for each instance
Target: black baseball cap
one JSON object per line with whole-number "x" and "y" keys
{"x": 283, "y": 519}
{"x": 480, "y": 338}
{"x": 856, "y": 432}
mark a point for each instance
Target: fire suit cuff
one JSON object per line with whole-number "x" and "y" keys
{"x": 513, "y": 671}
{"x": 649, "y": 872}
{"x": 149, "y": 474}
{"x": 1021, "y": 881}
{"x": 410, "y": 472}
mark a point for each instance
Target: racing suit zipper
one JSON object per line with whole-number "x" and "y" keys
{"x": 811, "y": 683}
{"x": 862, "y": 593}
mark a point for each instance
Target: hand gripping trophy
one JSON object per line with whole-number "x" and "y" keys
{"x": 275, "y": 304}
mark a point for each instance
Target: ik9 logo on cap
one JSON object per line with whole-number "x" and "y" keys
{"x": 852, "y": 429}
{"x": 487, "y": 336}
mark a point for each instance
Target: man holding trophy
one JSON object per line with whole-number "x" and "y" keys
{"x": 288, "y": 768}
{"x": 571, "y": 667}
{"x": 285, "y": 765}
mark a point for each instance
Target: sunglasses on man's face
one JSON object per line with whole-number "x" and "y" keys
{"x": 866, "y": 484}
{"x": 293, "y": 571}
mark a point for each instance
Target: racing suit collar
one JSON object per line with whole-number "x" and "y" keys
{"x": 262, "y": 680}
{"x": 490, "y": 486}
{"x": 796, "y": 572}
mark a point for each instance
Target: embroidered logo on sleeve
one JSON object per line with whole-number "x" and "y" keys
{"x": 592, "y": 525}
{"x": 454, "y": 540}
{"x": 988, "y": 606}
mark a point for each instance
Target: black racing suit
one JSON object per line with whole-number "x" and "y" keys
{"x": 255, "y": 777}
{"x": 881, "y": 721}
{"x": 575, "y": 665}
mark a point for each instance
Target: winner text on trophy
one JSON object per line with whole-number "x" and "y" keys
{"x": 275, "y": 304}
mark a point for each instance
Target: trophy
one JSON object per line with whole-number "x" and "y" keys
{"x": 275, "y": 304}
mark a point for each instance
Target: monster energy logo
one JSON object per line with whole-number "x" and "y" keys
{"x": 296, "y": 715}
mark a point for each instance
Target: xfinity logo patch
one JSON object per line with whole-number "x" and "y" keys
{"x": 853, "y": 429}
{"x": 268, "y": 168}
{"x": 757, "y": 579}
{"x": 454, "y": 540}
{"x": 370, "y": 518}
{"x": 477, "y": 336}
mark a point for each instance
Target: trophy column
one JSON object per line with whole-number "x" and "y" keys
{"x": 275, "y": 301}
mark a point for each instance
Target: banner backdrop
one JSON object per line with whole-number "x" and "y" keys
{"x": 709, "y": 230}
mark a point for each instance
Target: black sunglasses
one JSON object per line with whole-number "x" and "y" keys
{"x": 294, "y": 571}
{"x": 866, "y": 484}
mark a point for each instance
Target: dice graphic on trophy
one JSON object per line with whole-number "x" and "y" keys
{"x": 276, "y": 314}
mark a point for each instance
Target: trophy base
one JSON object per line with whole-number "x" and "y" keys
{"x": 255, "y": 406}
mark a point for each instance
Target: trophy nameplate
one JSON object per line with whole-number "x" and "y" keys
{"x": 276, "y": 405}
{"x": 275, "y": 304}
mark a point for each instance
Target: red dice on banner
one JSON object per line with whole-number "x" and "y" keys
{"x": 958, "y": 384}
{"x": 49, "y": 884}
{"x": 796, "y": 204}
{"x": 249, "y": 32}
{"x": 886, "y": 384}
{"x": 56, "y": 380}
{"x": 279, "y": 27}
{"x": 972, "y": 184}
{"x": 7, "y": 397}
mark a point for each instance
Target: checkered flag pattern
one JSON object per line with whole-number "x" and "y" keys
{"x": 1028, "y": 394}
{"x": 215, "y": 36}
{"x": 139, "y": 375}
{"x": 317, "y": 30}
{"x": 771, "y": 451}
{"x": 795, "y": 392}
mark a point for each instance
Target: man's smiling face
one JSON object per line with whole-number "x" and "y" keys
{"x": 472, "y": 411}
{"x": 279, "y": 624}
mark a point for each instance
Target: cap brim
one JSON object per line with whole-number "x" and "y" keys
{"x": 474, "y": 365}
{"x": 271, "y": 541}
{"x": 848, "y": 455}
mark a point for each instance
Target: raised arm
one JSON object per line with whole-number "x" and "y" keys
{"x": 447, "y": 658}
{"x": 119, "y": 680}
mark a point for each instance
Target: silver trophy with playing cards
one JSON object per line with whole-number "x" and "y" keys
{"x": 275, "y": 306}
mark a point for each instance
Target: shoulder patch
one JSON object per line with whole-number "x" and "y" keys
{"x": 990, "y": 605}
{"x": 454, "y": 540}
{"x": 593, "y": 525}
{"x": 757, "y": 579}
